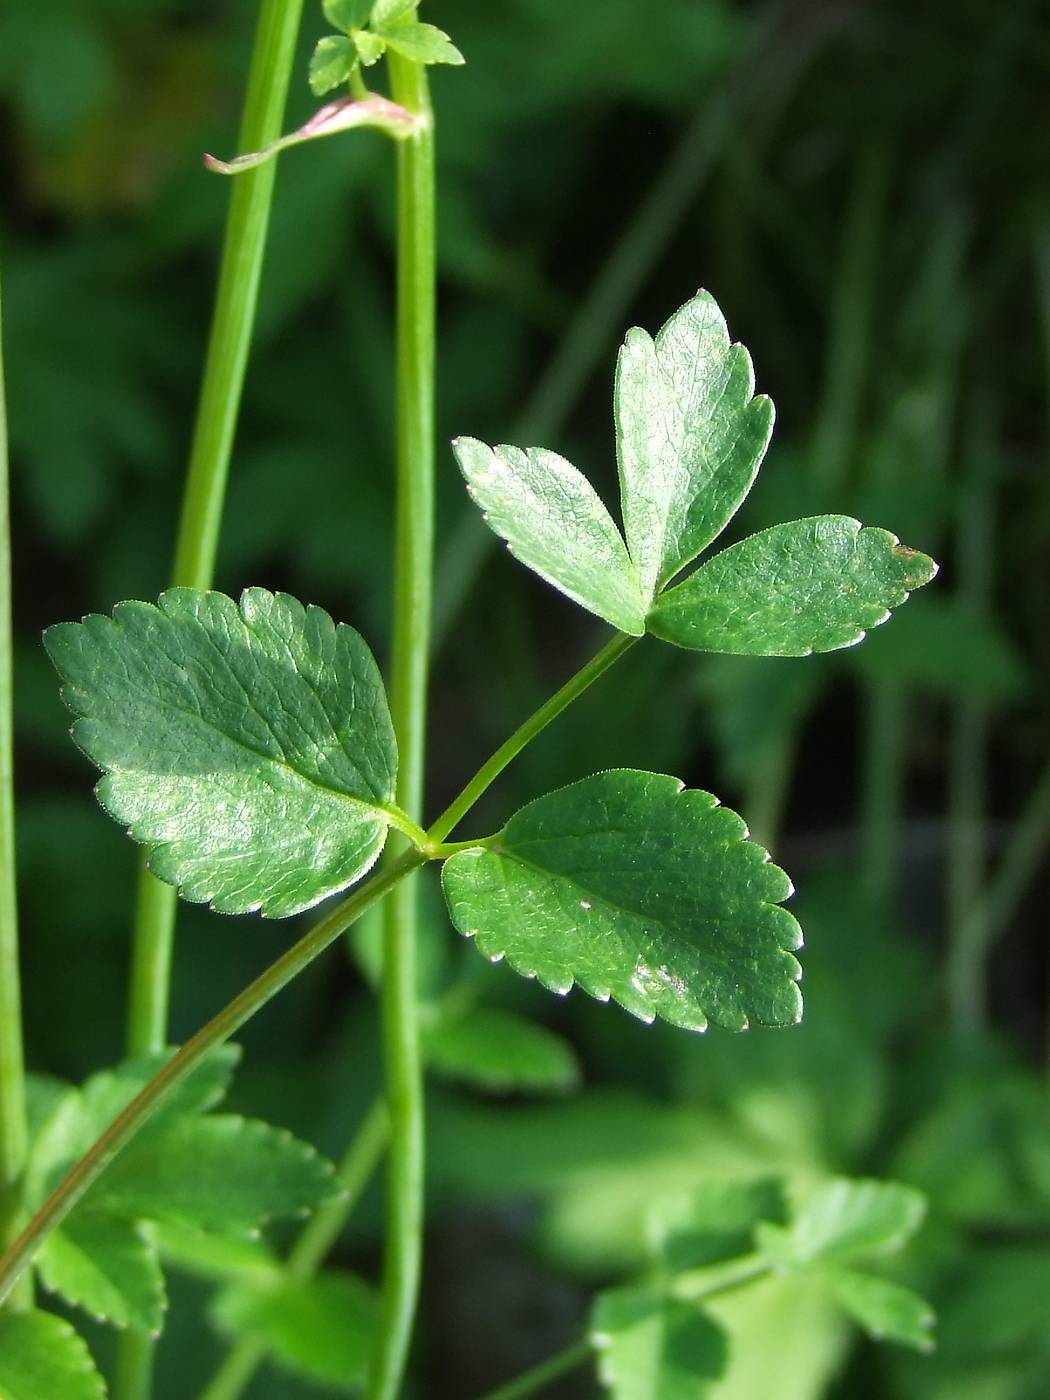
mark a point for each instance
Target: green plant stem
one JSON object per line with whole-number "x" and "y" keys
{"x": 525, "y": 733}
{"x": 560, "y": 1364}
{"x": 989, "y": 918}
{"x": 883, "y": 792}
{"x": 355, "y": 1171}
{"x": 218, "y": 1030}
{"x": 410, "y": 656}
{"x": 194, "y": 566}
{"x": 242, "y": 258}
{"x": 13, "y": 1129}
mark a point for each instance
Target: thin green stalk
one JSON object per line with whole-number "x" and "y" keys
{"x": 13, "y": 1129}
{"x": 410, "y": 656}
{"x": 525, "y": 733}
{"x": 560, "y": 1364}
{"x": 990, "y": 917}
{"x": 883, "y": 791}
{"x": 242, "y": 258}
{"x": 766, "y": 791}
{"x": 308, "y": 1253}
{"x": 218, "y": 1030}
{"x": 194, "y": 566}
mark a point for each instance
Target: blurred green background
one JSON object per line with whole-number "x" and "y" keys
{"x": 864, "y": 185}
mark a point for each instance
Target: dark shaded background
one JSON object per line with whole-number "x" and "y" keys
{"x": 864, "y": 188}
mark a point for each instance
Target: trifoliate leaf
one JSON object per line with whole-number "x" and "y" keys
{"x": 887, "y": 1311}
{"x": 846, "y": 1220}
{"x": 250, "y": 746}
{"x": 105, "y": 1266}
{"x": 347, "y": 14}
{"x": 690, "y": 437}
{"x": 422, "y": 43}
{"x": 321, "y": 1327}
{"x": 810, "y": 585}
{"x": 554, "y": 522}
{"x": 499, "y": 1051}
{"x": 641, "y": 891}
{"x": 653, "y": 1348}
{"x": 220, "y": 1173}
{"x": 331, "y": 63}
{"x": 370, "y": 47}
{"x": 42, "y": 1358}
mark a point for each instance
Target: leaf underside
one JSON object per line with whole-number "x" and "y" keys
{"x": 690, "y": 437}
{"x": 250, "y": 746}
{"x": 638, "y": 890}
{"x": 554, "y": 522}
{"x": 809, "y": 585}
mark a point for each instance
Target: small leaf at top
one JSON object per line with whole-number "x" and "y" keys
{"x": 810, "y": 585}
{"x": 322, "y": 1327}
{"x": 250, "y": 746}
{"x": 331, "y": 63}
{"x": 690, "y": 437}
{"x": 347, "y": 14}
{"x": 422, "y": 43}
{"x": 639, "y": 890}
{"x": 107, "y": 1267}
{"x": 886, "y": 1310}
{"x": 846, "y": 1220}
{"x": 499, "y": 1051}
{"x": 555, "y": 523}
{"x": 42, "y": 1358}
{"x": 653, "y": 1348}
{"x": 388, "y": 12}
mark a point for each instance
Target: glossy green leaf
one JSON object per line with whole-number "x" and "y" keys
{"x": 887, "y": 1311}
{"x": 331, "y": 63}
{"x": 221, "y": 1173}
{"x": 347, "y": 14}
{"x": 554, "y": 522}
{"x": 388, "y": 12}
{"x": 499, "y": 1051}
{"x": 250, "y": 746}
{"x": 105, "y": 1266}
{"x": 690, "y": 437}
{"x": 639, "y": 890}
{"x": 846, "y": 1220}
{"x": 653, "y": 1348}
{"x": 810, "y": 585}
{"x": 321, "y": 1327}
{"x": 422, "y": 43}
{"x": 42, "y": 1358}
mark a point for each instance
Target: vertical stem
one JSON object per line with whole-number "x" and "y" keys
{"x": 241, "y": 269}
{"x": 883, "y": 796}
{"x": 13, "y": 1129}
{"x": 227, "y": 357}
{"x": 413, "y": 570}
